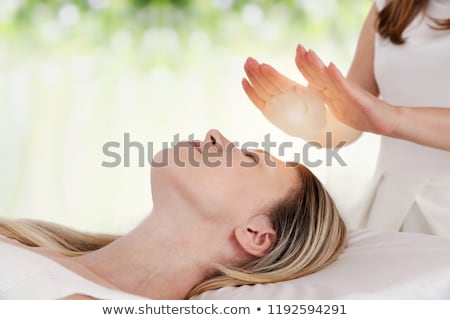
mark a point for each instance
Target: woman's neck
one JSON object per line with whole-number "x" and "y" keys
{"x": 159, "y": 259}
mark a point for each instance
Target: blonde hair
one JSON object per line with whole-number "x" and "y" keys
{"x": 66, "y": 241}
{"x": 310, "y": 235}
{"x": 398, "y": 14}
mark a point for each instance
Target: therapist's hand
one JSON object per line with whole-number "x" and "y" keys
{"x": 286, "y": 104}
{"x": 349, "y": 103}
{"x": 264, "y": 82}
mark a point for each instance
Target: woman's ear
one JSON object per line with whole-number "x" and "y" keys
{"x": 257, "y": 236}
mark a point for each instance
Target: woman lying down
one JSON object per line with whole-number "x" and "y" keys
{"x": 230, "y": 220}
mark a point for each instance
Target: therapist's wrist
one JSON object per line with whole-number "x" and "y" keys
{"x": 399, "y": 114}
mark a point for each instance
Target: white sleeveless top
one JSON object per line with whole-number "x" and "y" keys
{"x": 26, "y": 275}
{"x": 415, "y": 74}
{"x": 411, "y": 189}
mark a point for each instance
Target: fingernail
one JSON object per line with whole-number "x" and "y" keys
{"x": 300, "y": 50}
{"x": 254, "y": 60}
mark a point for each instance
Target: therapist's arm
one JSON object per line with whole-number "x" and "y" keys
{"x": 429, "y": 126}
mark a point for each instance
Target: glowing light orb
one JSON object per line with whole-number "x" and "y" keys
{"x": 298, "y": 114}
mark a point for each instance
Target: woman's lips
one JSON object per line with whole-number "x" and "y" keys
{"x": 196, "y": 145}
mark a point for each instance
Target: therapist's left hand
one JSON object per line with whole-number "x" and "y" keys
{"x": 349, "y": 103}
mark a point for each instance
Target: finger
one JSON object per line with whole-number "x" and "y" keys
{"x": 339, "y": 101}
{"x": 338, "y": 79}
{"x": 354, "y": 96}
{"x": 251, "y": 69}
{"x": 327, "y": 90}
{"x": 268, "y": 85}
{"x": 317, "y": 68}
{"x": 323, "y": 78}
{"x": 282, "y": 83}
{"x": 302, "y": 63}
{"x": 253, "y": 96}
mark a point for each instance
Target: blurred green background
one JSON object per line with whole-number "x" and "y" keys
{"x": 75, "y": 74}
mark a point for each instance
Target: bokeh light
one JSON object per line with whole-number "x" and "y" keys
{"x": 76, "y": 74}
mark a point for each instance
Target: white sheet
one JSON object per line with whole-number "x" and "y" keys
{"x": 375, "y": 265}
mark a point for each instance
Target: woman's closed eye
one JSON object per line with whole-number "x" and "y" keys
{"x": 251, "y": 155}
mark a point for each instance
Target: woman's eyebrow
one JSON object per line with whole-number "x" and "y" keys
{"x": 267, "y": 155}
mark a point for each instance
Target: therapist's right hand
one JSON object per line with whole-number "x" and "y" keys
{"x": 285, "y": 103}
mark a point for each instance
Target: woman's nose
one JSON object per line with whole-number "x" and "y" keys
{"x": 214, "y": 136}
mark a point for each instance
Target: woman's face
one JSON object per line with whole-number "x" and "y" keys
{"x": 219, "y": 180}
